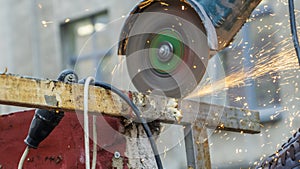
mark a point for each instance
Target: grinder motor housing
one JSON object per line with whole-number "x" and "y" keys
{"x": 168, "y": 43}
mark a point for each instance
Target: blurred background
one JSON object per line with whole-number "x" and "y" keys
{"x": 40, "y": 38}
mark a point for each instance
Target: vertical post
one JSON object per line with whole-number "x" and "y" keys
{"x": 197, "y": 147}
{"x": 190, "y": 150}
{"x": 138, "y": 149}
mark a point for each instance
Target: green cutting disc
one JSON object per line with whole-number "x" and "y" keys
{"x": 166, "y": 48}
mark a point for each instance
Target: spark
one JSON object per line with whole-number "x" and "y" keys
{"x": 45, "y": 23}
{"x": 67, "y": 20}
{"x": 268, "y": 62}
{"x": 183, "y": 7}
{"x": 164, "y": 4}
{"x": 238, "y": 99}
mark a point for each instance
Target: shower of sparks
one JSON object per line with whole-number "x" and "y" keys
{"x": 273, "y": 60}
{"x": 268, "y": 62}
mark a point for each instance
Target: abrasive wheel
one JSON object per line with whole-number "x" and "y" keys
{"x": 167, "y": 49}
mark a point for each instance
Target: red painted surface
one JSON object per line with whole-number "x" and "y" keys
{"x": 63, "y": 148}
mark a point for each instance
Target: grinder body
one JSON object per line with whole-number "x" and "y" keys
{"x": 168, "y": 43}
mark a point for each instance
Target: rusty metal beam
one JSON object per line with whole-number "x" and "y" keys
{"x": 48, "y": 94}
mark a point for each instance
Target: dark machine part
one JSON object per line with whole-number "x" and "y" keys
{"x": 227, "y": 16}
{"x": 287, "y": 157}
{"x": 167, "y": 49}
{"x": 44, "y": 121}
{"x": 167, "y": 42}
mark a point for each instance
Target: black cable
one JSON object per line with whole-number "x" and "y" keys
{"x": 138, "y": 114}
{"x": 294, "y": 28}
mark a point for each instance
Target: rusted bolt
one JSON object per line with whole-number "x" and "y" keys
{"x": 117, "y": 154}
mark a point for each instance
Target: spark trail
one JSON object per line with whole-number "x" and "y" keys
{"x": 268, "y": 62}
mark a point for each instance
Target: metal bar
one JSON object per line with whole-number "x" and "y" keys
{"x": 189, "y": 147}
{"x": 197, "y": 147}
{"x": 201, "y": 147}
{"x": 48, "y": 94}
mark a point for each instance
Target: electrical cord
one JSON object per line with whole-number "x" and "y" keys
{"x": 23, "y": 158}
{"x": 145, "y": 125}
{"x": 94, "y": 161}
{"x": 86, "y": 122}
{"x": 136, "y": 110}
{"x": 86, "y": 132}
{"x": 88, "y": 81}
{"x": 44, "y": 121}
{"x": 294, "y": 28}
{"x": 138, "y": 114}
